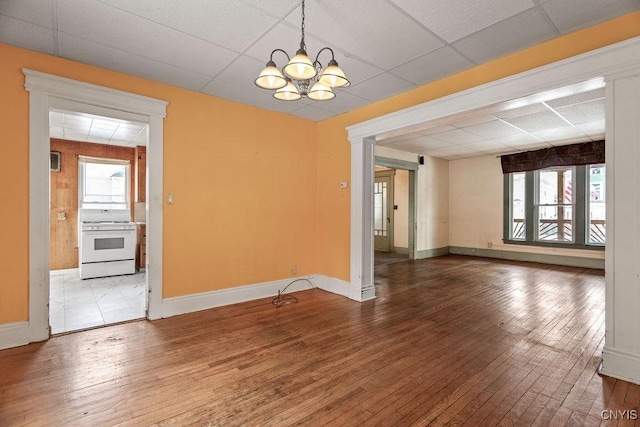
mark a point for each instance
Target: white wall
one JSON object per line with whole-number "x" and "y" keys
{"x": 433, "y": 204}
{"x": 476, "y": 209}
{"x": 432, "y": 198}
{"x": 401, "y": 215}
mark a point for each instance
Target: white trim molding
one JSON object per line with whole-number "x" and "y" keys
{"x": 620, "y": 364}
{"x": 45, "y": 92}
{"x": 14, "y": 334}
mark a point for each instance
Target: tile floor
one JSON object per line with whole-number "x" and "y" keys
{"x": 79, "y": 304}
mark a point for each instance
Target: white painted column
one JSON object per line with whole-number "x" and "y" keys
{"x": 361, "y": 286}
{"x": 621, "y": 353}
{"x": 38, "y": 216}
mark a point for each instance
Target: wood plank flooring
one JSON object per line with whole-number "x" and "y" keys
{"x": 449, "y": 341}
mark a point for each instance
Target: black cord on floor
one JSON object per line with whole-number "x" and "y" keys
{"x": 282, "y": 299}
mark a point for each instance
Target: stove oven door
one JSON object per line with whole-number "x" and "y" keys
{"x": 107, "y": 245}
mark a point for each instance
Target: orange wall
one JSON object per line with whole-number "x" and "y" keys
{"x": 334, "y": 150}
{"x": 244, "y": 182}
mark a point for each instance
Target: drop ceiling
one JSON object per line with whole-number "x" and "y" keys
{"x": 74, "y": 126}
{"x": 561, "y": 116}
{"x": 386, "y": 47}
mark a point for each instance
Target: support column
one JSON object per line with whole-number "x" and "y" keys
{"x": 621, "y": 353}
{"x": 362, "y": 161}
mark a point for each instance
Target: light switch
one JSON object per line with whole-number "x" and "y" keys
{"x": 344, "y": 184}
{"x": 170, "y": 198}
{"x": 62, "y": 216}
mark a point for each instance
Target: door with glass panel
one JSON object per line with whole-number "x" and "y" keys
{"x": 383, "y": 211}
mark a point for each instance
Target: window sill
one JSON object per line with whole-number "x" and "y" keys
{"x": 555, "y": 245}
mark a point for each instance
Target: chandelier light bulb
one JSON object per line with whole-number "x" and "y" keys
{"x": 271, "y": 77}
{"x": 288, "y": 92}
{"x": 333, "y": 76}
{"x": 300, "y": 67}
{"x": 320, "y": 92}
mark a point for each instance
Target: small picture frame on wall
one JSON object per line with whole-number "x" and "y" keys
{"x": 55, "y": 161}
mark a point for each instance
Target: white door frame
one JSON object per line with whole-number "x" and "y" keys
{"x": 47, "y": 91}
{"x": 604, "y": 62}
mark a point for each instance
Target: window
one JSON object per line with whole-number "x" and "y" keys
{"x": 597, "y": 207}
{"x": 104, "y": 183}
{"x": 557, "y": 206}
{"x": 517, "y": 206}
{"x": 553, "y": 205}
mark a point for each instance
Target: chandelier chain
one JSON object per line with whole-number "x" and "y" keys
{"x": 302, "y": 43}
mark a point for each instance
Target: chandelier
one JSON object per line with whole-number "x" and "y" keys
{"x": 301, "y": 77}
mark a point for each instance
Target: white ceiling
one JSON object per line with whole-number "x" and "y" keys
{"x": 562, "y": 116}
{"x": 385, "y": 47}
{"x": 96, "y": 129}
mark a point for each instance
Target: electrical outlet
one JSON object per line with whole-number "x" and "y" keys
{"x": 489, "y": 245}
{"x": 294, "y": 270}
{"x": 62, "y": 216}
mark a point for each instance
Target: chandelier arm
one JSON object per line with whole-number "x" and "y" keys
{"x": 278, "y": 50}
{"x": 323, "y": 49}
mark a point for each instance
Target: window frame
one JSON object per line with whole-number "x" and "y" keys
{"x": 82, "y": 161}
{"x": 580, "y": 206}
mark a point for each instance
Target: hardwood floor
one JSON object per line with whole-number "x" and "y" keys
{"x": 451, "y": 340}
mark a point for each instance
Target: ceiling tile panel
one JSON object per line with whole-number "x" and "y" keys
{"x": 453, "y": 150}
{"x": 584, "y": 112}
{"x": 518, "y": 140}
{"x": 436, "y": 129}
{"x": 521, "y": 111}
{"x": 419, "y": 143}
{"x": 380, "y": 87}
{"x": 101, "y": 24}
{"x": 26, "y": 35}
{"x": 433, "y": 66}
{"x": 493, "y": 129}
{"x": 560, "y": 134}
{"x": 488, "y": 146}
{"x": 537, "y": 121}
{"x": 457, "y": 136}
{"x": 280, "y": 8}
{"x": 455, "y": 19}
{"x": 372, "y": 30}
{"x": 594, "y": 130}
{"x": 249, "y": 94}
{"x": 215, "y": 21}
{"x": 125, "y": 62}
{"x": 38, "y": 12}
{"x": 310, "y": 112}
{"x": 570, "y": 15}
{"x": 343, "y": 102}
{"x": 519, "y": 32}
{"x": 577, "y": 98}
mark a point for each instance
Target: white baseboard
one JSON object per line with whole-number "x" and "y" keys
{"x": 65, "y": 271}
{"x": 620, "y": 364}
{"x": 17, "y": 334}
{"x": 14, "y": 334}
{"x": 341, "y": 287}
{"x": 206, "y": 300}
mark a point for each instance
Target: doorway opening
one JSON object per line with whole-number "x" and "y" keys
{"x": 48, "y": 92}
{"x": 97, "y": 196}
{"x": 394, "y": 210}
